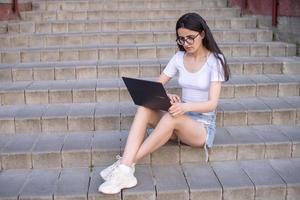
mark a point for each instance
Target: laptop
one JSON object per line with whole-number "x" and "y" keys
{"x": 146, "y": 93}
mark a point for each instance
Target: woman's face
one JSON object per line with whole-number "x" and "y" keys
{"x": 190, "y": 40}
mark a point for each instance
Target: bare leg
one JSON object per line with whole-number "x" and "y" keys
{"x": 143, "y": 117}
{"x": 189, "y": 131}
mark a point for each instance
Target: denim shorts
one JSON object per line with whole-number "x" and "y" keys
{"x": 209, "y": 121}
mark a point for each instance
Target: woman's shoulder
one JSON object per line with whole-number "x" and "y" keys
{"x": 213, "y": 59}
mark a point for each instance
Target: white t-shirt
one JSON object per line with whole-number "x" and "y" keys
{"x": 195, "y": 85}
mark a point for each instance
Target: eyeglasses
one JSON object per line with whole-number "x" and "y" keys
{"x": 188, "y": 39}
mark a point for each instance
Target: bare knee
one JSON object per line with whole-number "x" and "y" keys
{"x": 150, "y": 115}
{"x": 168, "y": 119}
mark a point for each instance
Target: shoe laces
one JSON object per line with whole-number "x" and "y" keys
{"x": 115, "y": 165}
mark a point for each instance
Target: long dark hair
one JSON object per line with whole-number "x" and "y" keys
{"x": 195, "y": 22}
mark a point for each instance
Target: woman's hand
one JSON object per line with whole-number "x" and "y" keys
{"x": 178, "y": 109}
{"x": 174, "y": 98}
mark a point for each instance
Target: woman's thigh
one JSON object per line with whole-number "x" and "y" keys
{"x": 190, "y": 132}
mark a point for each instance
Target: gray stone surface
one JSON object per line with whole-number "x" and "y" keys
{"x": 145, "y": 188}
{"x": 76, "y": 151}
{"x": 47, "y": 151}
{"x": 40, "y": 184}
{"x": 277, "y": 144}
{"x": 291, "y": 176}
{"x": 239, "y": 187}
{"x": 72, "y": 184}
{"x": 11, "y": 183}
{"x": 202, "y": 181}
{"x": 249, "y": 145}
{"x": 224, "y": 148}
{"x": 294, "y": 136}
{"x": 268, "y": 184}
{"x": 170, "y": 183}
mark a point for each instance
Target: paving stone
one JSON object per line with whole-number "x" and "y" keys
{"x": 283, "y": 113}
{"x": 249, "y": 145}
{"x": 293, "y": 134}
{"x": 239, "y": 187}
{"x": 277, "y": 144}
{"x": 145, "y": 188}
{"x": 223, "y": 140}
{"x": 17, "y": 153}
{"x": 80, "y": 117}
{"x": 105, "y": 147}
{"x": 290, "y": 174}
{"x": 209, "y": 186}
{"x": 76, "y": 151}
{"x": 11, "y": 183}
{"x": 55, "y": 118}
{"x": 107, "y": 117}
{"x": 47, "y": 151}
{"x": 268, "y": 184}
{"x": 40, "y": 184}
{"x": 234, "y": 113}
{"x": 72, "y": 184}
{"x": 257, "y": 111}
{"x": 170, "y": 182}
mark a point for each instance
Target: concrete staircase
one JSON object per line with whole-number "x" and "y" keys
{"x": 65, "y": 112}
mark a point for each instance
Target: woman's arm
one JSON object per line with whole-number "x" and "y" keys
{"x": 203, "y": 107}
{"x": 163, "y": 78}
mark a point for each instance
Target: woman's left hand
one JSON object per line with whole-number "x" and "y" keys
{"x": 178, "y": 109}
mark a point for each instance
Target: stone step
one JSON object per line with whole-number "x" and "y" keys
{"x": 136, "y": 68}
{"x": 74, "y": 117}
{"x": 137, "y": 51}
{"x": 121, "y": 5}
{"x": 130, "y": 13}
{"x": 86, "y": 149}
{"x": 69, "y": 26}
{"x": 114, "y": 90}
{"x": 124, "y": 37}
{"x": 256, "y": 179}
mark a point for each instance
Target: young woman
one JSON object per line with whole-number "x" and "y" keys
{"x": 202, "y": 68}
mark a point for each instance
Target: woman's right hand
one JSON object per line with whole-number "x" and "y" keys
{"x": 174, "y": 98}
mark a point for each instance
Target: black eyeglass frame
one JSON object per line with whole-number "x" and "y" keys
{"x": 186, "y": 39}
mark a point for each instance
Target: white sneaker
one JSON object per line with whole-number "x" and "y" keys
{"x": 119, "y": 180}
{"x": 106, "y": 173}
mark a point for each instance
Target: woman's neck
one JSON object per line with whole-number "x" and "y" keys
{"x": 201, "y": 53}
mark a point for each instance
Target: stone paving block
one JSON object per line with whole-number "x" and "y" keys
{"x": 145, "y": 188}
{"x": 291, "y": 67}
{"x": 43, "y": 74}
{"x": 283, "y": 113}
{"x": 293, "y": 134}
{"x": 107, "y": 117}
{"x": 76, "y": 151}
{"x": 224, "y": 148}
{"x": 36, "y": 97}
{"x": 13, "y": 97}
{"x": 72, "y": 184}
{"x": 6, "y": 75}
{"x": 28, "y": 56}
{"x": 81, "y": 118}
{"x": 272, "y": 68}
{"x": 127, "y": 114}
{"x": 234, "y": 113}
{"x": 249, "y": 145}
{"x": 22, "y": 74}
{"x": 257, "y": 111}
{"x": 95, "y": 182}
{"x": 55, "y": 118}
{"x": 287, "y": 86}
{"x": 88, "y": 54}
{"x": 68, "y": 55}
{"x": 40, "y": 184}
{"x": 291, "y": 176}
{"x": 7, "y": 121}
{"x": 239, "y": 187}
{"x": 11, "y": 183}
{"x": 170, "y": 182}
{"x": 277, "y": 50}
{"x": 105, "y": 147}
{"x": 52, "y": 40}
{"x": 108, "y": 54}
{"x": 244, "y": 87}
{"x": 259, "y": 50}
{"x": 208, "y": 187}
{"x": 167, "y": 154}
{"x": 240, "y": 51}
{"x": 265, "y": 87}
{"x": 294, "y": 101}
{"x": 86, "y": 72}
{"x": 36, "y": 41}
{"x": 268, "y": 184}
{"x": 64, "y": 73}
{"x": 108, "y": 71}
{"x": 17, "y": 153}
{"x": 50, "y": 56}
{"x": 47, "y": 151}
{"x": 277, "y": 144}
{"x": 107, "y": 91}
{"x": 28, "y": 119}
{"x": 253, "y": 68}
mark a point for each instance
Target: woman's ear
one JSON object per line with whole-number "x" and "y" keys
{"x": 202, "y": 34}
